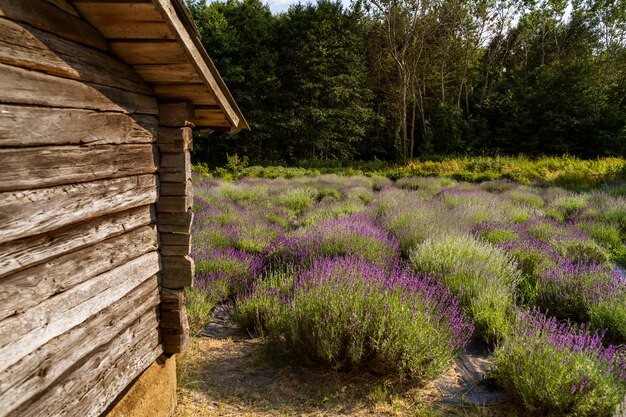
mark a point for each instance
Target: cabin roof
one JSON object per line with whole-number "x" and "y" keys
{"x": 159, "y": 39}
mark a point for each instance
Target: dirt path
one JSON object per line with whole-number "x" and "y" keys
{"x": 227, "y": 373}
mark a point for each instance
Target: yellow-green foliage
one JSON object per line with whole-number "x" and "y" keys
{"x": 565, "y": 171}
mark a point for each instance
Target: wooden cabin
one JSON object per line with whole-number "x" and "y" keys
{"x": 97, "y": 102}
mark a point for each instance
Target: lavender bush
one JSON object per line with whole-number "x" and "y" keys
{"x": 482, "y": 275}
{"x": 585, "y": 292}
{"x": 355, "y": 235}
{"x": 346, "y": 313}
{"x": 556, "y": 368}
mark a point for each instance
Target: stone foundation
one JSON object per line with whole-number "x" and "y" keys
{"x": 153, "y": 394}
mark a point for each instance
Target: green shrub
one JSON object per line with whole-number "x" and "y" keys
{"x": 481, "y": 274}
{"x": 558, "y": 369}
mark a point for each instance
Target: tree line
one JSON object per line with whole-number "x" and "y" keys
{"x": 398, "y": 79}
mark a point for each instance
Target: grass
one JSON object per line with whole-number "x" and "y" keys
{"x": 564, "y": 171}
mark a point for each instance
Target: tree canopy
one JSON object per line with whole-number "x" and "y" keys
{"x": 393, "y": 79}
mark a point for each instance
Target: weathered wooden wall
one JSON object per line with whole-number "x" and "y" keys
{"x": 79, "y": 259}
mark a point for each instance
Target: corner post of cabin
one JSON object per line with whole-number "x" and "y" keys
{"x": 174, "y": 217}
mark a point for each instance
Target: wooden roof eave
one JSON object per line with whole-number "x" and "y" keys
{"x": 178, "y": 17}
{"x": 159, "y": 39}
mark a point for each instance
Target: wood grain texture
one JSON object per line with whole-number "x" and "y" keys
{"x": 40, "y": 126}
{"x": 168, "y": 73}
{"x": 177, "y": 272}
{"x": 176, "y": 188}
{"x": 30, "y": 168}
{"x": 175, "y": 222}
{"x": 197, "y": 93}
{"x": 28, "y": 288}
{"x": 28, "y": 252}
{"x": 57, "y": 315}
{"x": 29, "y": 213}
{"x": 149, "y": 52}
{"x": 114, "y": 364}
{"x": 24, "y": 46}
{"x": 20, "y": 86}
{"x": 211, "y": 118}
{"x": 175, "y": 115}
{"x": 174, "y": 140}
{"x": 50, "y": 18}
{"x": 38, "y": 370}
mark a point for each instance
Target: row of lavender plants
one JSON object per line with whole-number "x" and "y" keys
{"x": 364, "y": 273}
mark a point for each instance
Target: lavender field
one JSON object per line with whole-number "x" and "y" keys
{"x": 363, "y": 274}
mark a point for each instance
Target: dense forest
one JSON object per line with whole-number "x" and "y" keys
{"x": 398, "y": 79}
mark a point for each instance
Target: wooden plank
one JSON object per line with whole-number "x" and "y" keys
{"x": 148, "y": 52}
{"x": 173, "y": 117}
{"x": 179, "y": 160}
{"x": 176, "y": 220}
{"x": 176, "y": 188}
{"x": 175, "y": 175}
{"x": 211, "y": 118}
{"x": 103, "y": 13}
{"x": 197, "y": 93}
{"x": 24, "y": 46}
{"x": 38, "y": 370}
{"x": 28, "y": 252}
{"x": 217, "y": 88}
{"x": 168, "y": 73}
{"x": 57, "y": 315}
{"x": 182, "y": 239}
{"x": 50, "y": 18}
{"x": 123, "y": 372}
{"x": 20, "y": 86}
{"x": 29, "y": 168}
{"x": 122, "y": 359}
{"x": 39, "y": 126}
{"x": 175, "y": 204}
{"x": 177, "y": 272}
{"x": 30, "y": 287}
{"x": 29, "y": 213}
{"x": 169, "y": 250}
{"x": 173, "y": 324}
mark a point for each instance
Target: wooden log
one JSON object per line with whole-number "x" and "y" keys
{"x": 29, "y": 168}
{"x": 20, "y": 86}
{"x": 50, "y": 18}
{"x": 175, "y": 222}
{"x": 176, "y": 239}
{"x": 170, "y": 250}
{"x": 37, "y": 126}
{"x": 135, "y": 348}
{"x": 24, "y": 253}
{"x": 173, "y": 175}
{"x": 40, "y": 126}
{"x": 38, "y": 370}
{"x": 173, "y": 325}
{"x": 29, "y": 213}
{"x": 177, "y": 272}
{"x": 178, "y": 161}
{"x": 25, "y": 289}
{"x": 24, "y": 46}
{"x": 175, "y": 188}
{"x": 174, "y": 204}
{"x": 176, "y": 115}
{"x": 174, "y": 140}
{"x": 148, "y": 51}
{"x": 127, "y": 369}
{"x": 57, "y": 315}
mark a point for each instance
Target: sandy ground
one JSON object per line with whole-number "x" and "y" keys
{"x": 227, "y": 373}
